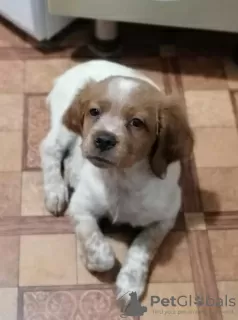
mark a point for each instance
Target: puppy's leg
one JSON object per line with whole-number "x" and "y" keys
{"x": 133, "y": 274}
{"x": 97, "y": 253}
{"x": 52, "y": 150}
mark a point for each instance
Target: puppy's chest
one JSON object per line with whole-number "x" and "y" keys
{"x": 128, "y": 202}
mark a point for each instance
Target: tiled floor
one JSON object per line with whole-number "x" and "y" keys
{"x": 41, "y": 277}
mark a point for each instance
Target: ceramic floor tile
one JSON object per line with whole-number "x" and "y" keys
{"x": 11, "y": 112}
{"x": 209, "y": 108}
{"x": 8, "y": 304}
{"x": 38, "y": 124}
{"x": 219, "y": 188}
{"x": 71, "y": 305}
{"x": 172, "y": 263}
{"x": 195, "y": 221}
{"x": 9, "y": 248}
{"x": 10, "y": 194}
{"x": 216, "y": 147}
{"x": 11, "y": 151}
{"x": 231, "y": 70}
{"x": 153, "y": 72}
{"x": 33, "y": 194}
{"x": 228, "y": 294}
{"x": 202, "y": 73}
{"x": 177, "y": 308}
{"x": 8, "y": 38}
{"x": 151, "y": 67}
{"x": 48, "y": 260}
{"x": 224, "y": 246}
{"x": 40, "y": 74}
{"x": 12, "y": 74}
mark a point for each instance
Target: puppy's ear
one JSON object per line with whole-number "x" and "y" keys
{"x": 175, "y": 139}
{"x": 74, "y": 115}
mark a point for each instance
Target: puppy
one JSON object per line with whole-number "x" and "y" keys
{"x": 126, "y": 140}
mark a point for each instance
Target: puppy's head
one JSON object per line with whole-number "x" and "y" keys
{"x": 124, "y": 120}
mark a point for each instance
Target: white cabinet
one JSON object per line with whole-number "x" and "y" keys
{"x": 200, "y": 14}
{"x": 33, "y": 17}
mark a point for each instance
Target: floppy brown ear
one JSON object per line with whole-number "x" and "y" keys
{"x": 174, "y": 137}
{"x": 74, "y": 115}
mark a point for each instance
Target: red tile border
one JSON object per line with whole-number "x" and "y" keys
{"x": 221, "y": 220}
{"x": 203, "y": 273}
{"x": 190, "y": 188}
{"x": 35, "y": 225}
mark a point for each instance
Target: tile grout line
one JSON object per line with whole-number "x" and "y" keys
{"x": 25, "y": 132}
{"x": 234, "y": 106}
{"x": 20, "y": 304}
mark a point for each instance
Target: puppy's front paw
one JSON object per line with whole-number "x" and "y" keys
{"x": 130, "y": 279}
{"x": 98, "y": 254}
{"x": 56, "y": 198}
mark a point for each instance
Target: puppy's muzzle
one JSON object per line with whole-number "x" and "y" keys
{"x": 105, "y": 141}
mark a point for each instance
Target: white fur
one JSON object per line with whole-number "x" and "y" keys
{"x": 136, "y": 197}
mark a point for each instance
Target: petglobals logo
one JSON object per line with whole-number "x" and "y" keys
{"x": 189, "y": 301}
{"x": 172, "y": 305}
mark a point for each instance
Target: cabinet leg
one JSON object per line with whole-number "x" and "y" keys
{"x": 104, "y": 42}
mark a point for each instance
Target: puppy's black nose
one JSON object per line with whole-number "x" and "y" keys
{"x": 105, "y": 141}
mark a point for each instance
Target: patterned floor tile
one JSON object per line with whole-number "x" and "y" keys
{"x": 219, "y": 189}
{"x": 209, "y": 108}
{"x": 10, "y": 194}
{"x": 172, "y": 263}
{"x": 40, "y": 74}
{"x": 170, "y": 301}
{"x": 11, "y": 112}
{"x": 202, "y": 73}
{"x": 228, "y": 294}
{"x": 48, "y": 260}
{"x": 33, "y": 194}
{"x": 12, "y": 74}
{"x": 71, "y": 304}
{"x": 216, "y": 147}
{"x": 9, "y": 248}
{"x": 37, "y": 126}
{"x": 11, "y": 151}
{"x": 8, "y": 304}
{"x": 224, "y": 244}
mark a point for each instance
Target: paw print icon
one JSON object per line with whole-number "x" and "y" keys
{"x": 134, "y": 307}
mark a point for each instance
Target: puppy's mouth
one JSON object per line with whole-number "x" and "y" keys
{"x": 100, "y": 162}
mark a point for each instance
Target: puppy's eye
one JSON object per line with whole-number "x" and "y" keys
{"x": 136, "y": 123}
{"x": 94, "y": 112}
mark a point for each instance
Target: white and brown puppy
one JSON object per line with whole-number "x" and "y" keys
{"x": 126, "y": 140}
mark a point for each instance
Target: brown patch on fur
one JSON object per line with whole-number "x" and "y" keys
{"x": 73, "y": 118}
{"x": 175, "y": 138}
